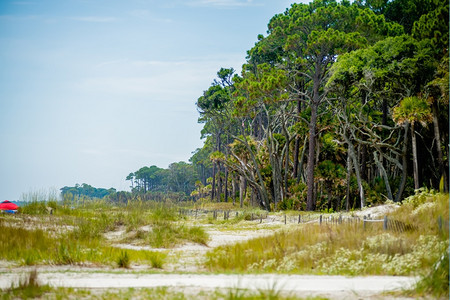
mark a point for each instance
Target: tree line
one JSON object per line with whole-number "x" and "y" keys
{"x": 148, "y": 184}
{"x": 85, "y": 190}
{"x": 340, "y": 105}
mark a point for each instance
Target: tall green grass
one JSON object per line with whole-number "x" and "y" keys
{"x": 167, "y": 235}
{"x": 36, "y": 246}
{"x": 76, "y": 235}
{"x": 436, "y": 282}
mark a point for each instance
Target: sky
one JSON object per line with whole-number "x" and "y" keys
{"x": 92, "y": 90}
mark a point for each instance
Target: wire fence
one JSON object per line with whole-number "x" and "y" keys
{"x": 388, "y": 223}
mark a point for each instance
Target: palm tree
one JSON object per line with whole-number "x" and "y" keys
{"x": 411, "y": 110}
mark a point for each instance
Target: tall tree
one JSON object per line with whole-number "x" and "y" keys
{"x": 312, "y": 36}
{"x": 413, "y": 110}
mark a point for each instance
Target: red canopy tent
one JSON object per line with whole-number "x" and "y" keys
{"x": 6, "y": 205}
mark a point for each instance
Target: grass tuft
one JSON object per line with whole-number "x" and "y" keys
{"x": 157, "y": 259}
{"x": 123, "y": 261}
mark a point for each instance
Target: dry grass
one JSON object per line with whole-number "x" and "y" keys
{"x": 347, "y": 248}
{"x": 76, "y": 236}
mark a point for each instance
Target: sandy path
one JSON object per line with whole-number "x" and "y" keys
{"x": 338, "y": 287}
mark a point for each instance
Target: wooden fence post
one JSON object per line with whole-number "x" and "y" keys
{"x": 385, "y": 223}
{"x": 364, "y": 223}
{"x": 320, "y": 220}
{"x": 299, "y": 219}
{"x": 284, "y": 219}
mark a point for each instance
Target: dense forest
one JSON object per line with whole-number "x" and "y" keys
{"x": 340, "y": 105}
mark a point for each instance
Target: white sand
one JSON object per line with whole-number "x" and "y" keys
{"x": 335, "y": 287}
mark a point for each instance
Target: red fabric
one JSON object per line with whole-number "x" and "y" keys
{"x": 6, "y": 205}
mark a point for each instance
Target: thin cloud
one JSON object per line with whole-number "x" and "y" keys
{"x": 223, "y": 3}
{"x": 94, "y": 19}
{"x": 157, "y": 77}
{"x": 19, "y": 17}
{"x": 147, "y": 15}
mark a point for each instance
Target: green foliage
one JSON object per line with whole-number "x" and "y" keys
{"x": 436, "y": 282}
{"x": 123, "y": 261}
{"x": 163, "y": 213}
{"x": 180, "y": 177}
{"x": 166, "y": 235}
{"x": 31, "y": 243}
{"x": 34, "y": 208}
{"x": 88, "y": 229}
{"x": 157, "y": 259}
{"x": 413, "y": 109}
{"x": 78, "y": 238}
{"x": 85, "y": 190}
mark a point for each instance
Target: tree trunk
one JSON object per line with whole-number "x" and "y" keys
{"x": 437, "y": 137}
{"x": 329, "y": 187}
{"x": 401, "y": 187}
{"x": 300, "y": 175}
{"x": 384, "y": 175}
{"x": 415, "y": 163}
{"x": 276, "y": 179}
{"x": 261, "y": 185}
{"x": 296, "y": 153}
{"x": 364, "y": 162}
{"x": 311, "y": 159}
{"x": 272, "y": 147}
{"x": 286, "y": 169}
{"x": 213, "y": 185}
{"x": 219, "y": 182}
{"x": 349, "y": 174}
{"x": 241, "y": 191}
{"x": 297, "y": 143}
{"x": 354, "y": 157}
{"x": 233, "y": 188}
{"x": 226, "y": 185}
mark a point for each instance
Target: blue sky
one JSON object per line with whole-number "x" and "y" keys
{"x": 91, "y": 90}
